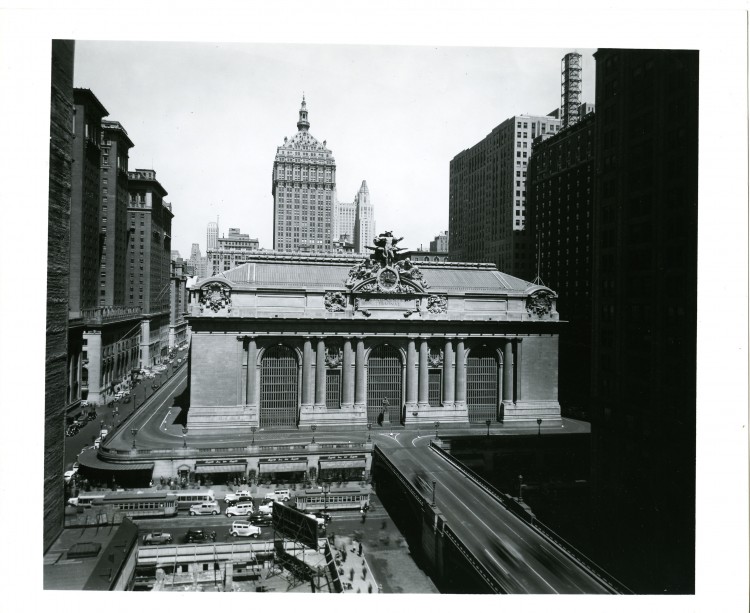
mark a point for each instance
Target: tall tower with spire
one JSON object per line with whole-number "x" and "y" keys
{"x": 303, "y": 186}
{"x": 364, "y": 220}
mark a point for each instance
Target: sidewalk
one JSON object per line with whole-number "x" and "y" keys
{"x": 356, "y": 571}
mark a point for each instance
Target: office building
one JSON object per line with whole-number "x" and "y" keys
{"x": 644, "y": 309}
{"x": 354, "y": 222}
{"x": 115, "y": 145}
{"x": 212, "y": 235}
{"x": 178, "y": 302}
{"x": 440, "y": 243}
{"x": 304, "y": 192}
{"x": 58, "y": 279}
{"x": 149, "y": 250}
{"x": 487, "y": 196}
{"x": 560, "y": 208}
{"x": 231, "y": 251}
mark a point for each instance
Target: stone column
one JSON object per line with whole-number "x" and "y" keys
{"x": 460, "y": 359}
{"x": 518, "y": 368}
{"x": 306, "y": 372}
{"x": 252, "y": 357}
{"x": 347, "y": 378}
{"x": 449, "y": 374}
{"x": 360, "y": 400}
{"x": 320, "y": 375}
{"x": 508, "y": 373}
{"x": 411, "y": 376}
{"x": 424, "y": 380}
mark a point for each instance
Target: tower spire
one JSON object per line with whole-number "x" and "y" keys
{"x": 303, "y": 124}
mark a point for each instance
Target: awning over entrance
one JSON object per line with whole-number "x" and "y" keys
{"x": 351, "y": 462}
{"x": 224, "y": 467}
{"x": 89, "y": 459}
{"x": 286, "y": 466}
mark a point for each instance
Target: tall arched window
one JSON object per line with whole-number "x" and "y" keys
{"x": 482, "y": 385}
{"x": 384, "y": 382}
{"x": 278, "y": 387}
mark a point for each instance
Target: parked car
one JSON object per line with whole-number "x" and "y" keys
{"x": 266, "y": 509}
{"x": 68, "y": 475}
{"x": 157, "y": 538}
{"x": 205, "y": 508}
{"x": 91, "y": 415}
{"x": 199, "y": 535}
{"x": 243, "y": 528}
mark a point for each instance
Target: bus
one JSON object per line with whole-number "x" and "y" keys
{"x": 140, "y": 504}
{"x": 335, "y": 500}
{"x": 187, "y": 498}
{"x": 86, "y": 499}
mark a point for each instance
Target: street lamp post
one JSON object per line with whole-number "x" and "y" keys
{"x": 520, "y": 488}
{"x": 253, "y": 429}
{"x": 134, "y": 431}
{"x": 326, "y": 489}
{"x": 488, "y": 422}
{"x": 313, "y": 428}
{"x": 184, "y": 437}
{"x": 437, "y": 425}
{"x": 369, "y": 427}
{"x": 539, "y": 423}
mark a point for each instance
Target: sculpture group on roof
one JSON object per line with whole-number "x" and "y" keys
{"x": 385, "y": 257}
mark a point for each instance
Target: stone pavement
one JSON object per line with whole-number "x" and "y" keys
{"x": 357, "y": 576}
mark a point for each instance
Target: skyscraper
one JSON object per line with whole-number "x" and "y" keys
{"x": 149, "y": 252}
{"x": 364, "y": 220}
{"x": 304, "y": 192}
{"x": 114, "y": 213}
{"x": 212, "y": 235}
{"x": 487, "y": 199}
{"x": 644, "y": 291}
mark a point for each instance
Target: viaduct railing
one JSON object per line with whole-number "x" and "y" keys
{"x": 514, "y": 507}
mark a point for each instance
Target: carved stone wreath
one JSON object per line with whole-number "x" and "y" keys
{"x": 435, "y": 357}
{"x": 539, "y": 303}
{"x": 437, "y": 304}
{"x": 335, "y": 302}
{"x": 334, "y": 356}
{"x": 215, "y": 297}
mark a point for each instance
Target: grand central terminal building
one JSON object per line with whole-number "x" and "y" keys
{"x": 339, "y": 342}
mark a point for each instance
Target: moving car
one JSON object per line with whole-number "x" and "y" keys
{"x": 241, "y": 496}
{"x": 278, "y": 495}
{"x": 260, "y": 519}
{"x": 205, "y": 508}
{"x": 157, "y": 538}
{"x": 242, "y": 508}
{"x": 199, "y": 535}
{"x": 243, "y": 528}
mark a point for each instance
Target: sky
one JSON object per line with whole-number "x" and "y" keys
{"x": 208, "y": 117}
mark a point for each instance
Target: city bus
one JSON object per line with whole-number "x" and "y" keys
{"x": 86, "y": 499}
{"x": 335, "y": 500}
{"x": 140, "y": 504}
{"x": 187, "y": 498}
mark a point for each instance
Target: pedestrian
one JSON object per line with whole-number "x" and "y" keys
{"x": 360, "y": 550}
{"x": 364, "y": 516}
{"x": 351, "y": 574}
{"x": 369, "y": 588}
{"x": 383, "y": 525}
{"x": 364, "y": 572}
{"x": 343, "y": 555}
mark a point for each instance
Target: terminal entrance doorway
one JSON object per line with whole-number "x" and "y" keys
{"x": 384, "y": 383}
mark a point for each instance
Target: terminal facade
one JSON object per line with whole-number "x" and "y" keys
{"x": 293, "y": 341}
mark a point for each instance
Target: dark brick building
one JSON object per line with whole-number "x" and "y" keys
{"x": 644, "y": 312}
{"x": 58, "y": 276}
{"x": 560, "y": 205}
